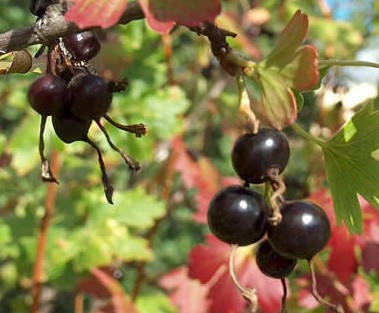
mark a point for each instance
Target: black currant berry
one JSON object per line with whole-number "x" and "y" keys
{"x": 46, "y": 94}
{"x": 238, "y": 215}
{"x": 253, "y": 155}
{"x": 83, "y": 46}
{"x": 89, "y": 95}
{"x": 303, "y": 231}
{"x": 70, "y": 129}
{"x": 271, "y": 263}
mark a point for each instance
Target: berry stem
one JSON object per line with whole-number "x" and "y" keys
{"x": 238, "y": 60}
{"x": 46, "y": 174}
{"x": 251, "y": 121}
{"x": 133, "y": 165}
{"x": 279, "y": 188}
{"x": 139, "y": 129}
{"x": 297, "y": 128}
{"x": 318, "y": 297}
{"x": 108, "y": 189}
{"x": 247, "y": 293}
{"x": 326, "y": 63}
{"x": 284, "y": 297}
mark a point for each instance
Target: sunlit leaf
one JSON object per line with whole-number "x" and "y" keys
{"x": 155, "y": 302}
{"x": 288, "y": 69}
{"x": 352, "y": 169}
{"x": 24, "y": 149}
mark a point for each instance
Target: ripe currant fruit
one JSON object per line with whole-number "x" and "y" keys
{"x": 89, "y": 96}
{"x": 272, "y": 263}
{"x": 46, "y": 94}
{"x": 303, "y": 231}
{"x": 83, "y": 46}
{"x": 70, "y": 129}
{"x": 238, "y": 215}
{"x": 253, "y": 155}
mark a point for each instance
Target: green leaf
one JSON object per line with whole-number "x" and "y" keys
{"x": 24, "y": 145}
{"x": 133, "y": 208}
{"x": 351, "y": 167}
{"x": 155, "y": 302}
{"x": 288, "y": 69}
{"x": 93, "y": 249}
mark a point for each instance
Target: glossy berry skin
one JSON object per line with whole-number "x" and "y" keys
{"x": 303, "y": 231}
{"x": 271, "y": 263}
{"x": 70, "y": 129}
{"x": 46, "y": 94}
{"x": 238, "y": 215}
{"x": 254, "y": 154}
{"x": 90, "y": 97}
{"x": 83, "y": 46}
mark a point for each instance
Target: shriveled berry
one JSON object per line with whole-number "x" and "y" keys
{"x": 70, "y": 129}
{"x": 46, "y": 94}
{"x": 90, "y": 97}
{"x": 83, "y": 46}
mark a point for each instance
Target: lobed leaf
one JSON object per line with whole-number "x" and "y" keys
{"x": 209, "y": 264}
{"x": 351, "y": 167}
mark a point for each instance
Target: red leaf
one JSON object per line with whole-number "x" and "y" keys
{"x": 163, "y": 14}
{"x": 341, "y": 242}
{"x": 217, "y": 255}
{"x": 189, "y": 295}
{"x": 361, "y": 293}
{"x": 89, "y": 13}
{"x": 354, "y": 296}
{"x": 335, "y": 293}
{"x": 209, "y": 264}
{"x": 197, "y": 173}
{"x": 370, "y": 257}
{"x": 343, "y": 261}
{"x": 159, "y": 26}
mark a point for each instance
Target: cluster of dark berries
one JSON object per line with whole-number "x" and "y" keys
{"x": 241, "y": 216}
{"x": 74, "y": 95}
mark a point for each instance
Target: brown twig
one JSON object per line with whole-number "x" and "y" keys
{"x": 79, "y": 302}
{"x": 52, "y": 26}
{"x": 42, "y": 236}
{"x": 167, "y": 51}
